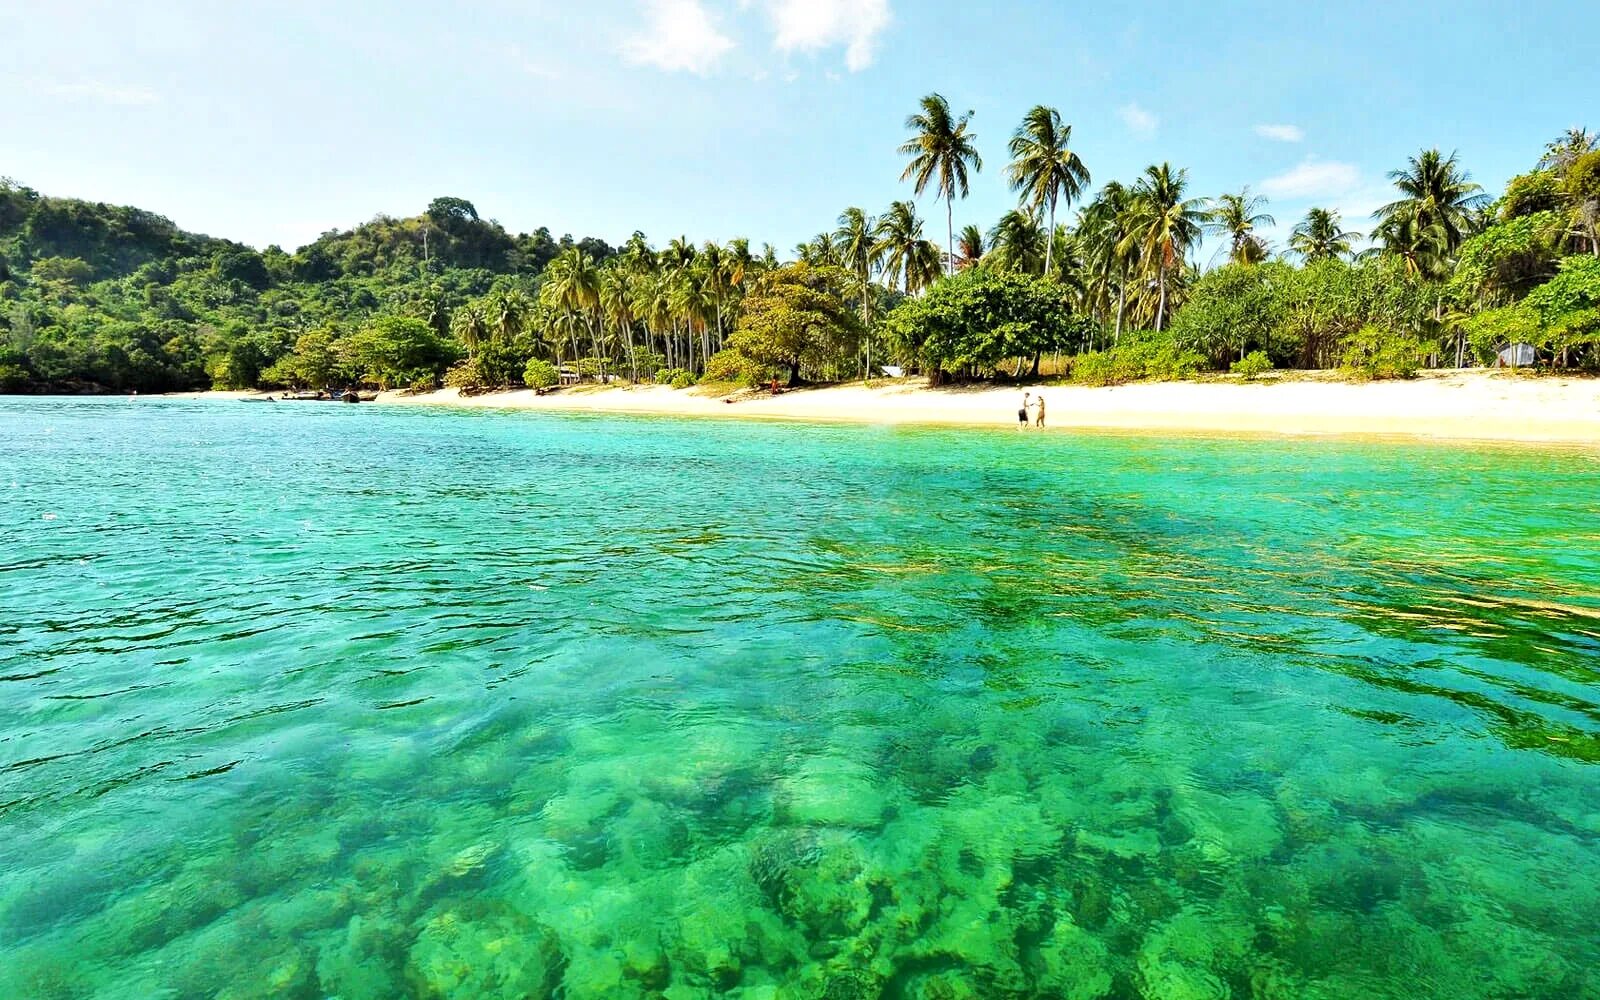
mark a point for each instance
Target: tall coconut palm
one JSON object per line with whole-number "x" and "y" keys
{"x": 1420, "y": 246}
{"x": 907, "y": 256}
{"x": 1319, "y": 237}
{"x": 1044, "y": 169}
{"x": 860, "y": 252}
{"x": 1109, "y": 255}
{"x": 1018, "y": 244}
{"x": 572, "y": 285}
{"x": 1439, "y": 197}
{"x": 470, "y": 327}
{"x": 819, "y": 251}
{"x": 942, "y": 150}
{"x": 1237, "y": 216}
{"x": 616, "y": 306}
{"x": 970, "y": 246}
{"x": 1564, "y": 151}
{"x": 508, "y": 312}
{"x": 1164, "y": 225}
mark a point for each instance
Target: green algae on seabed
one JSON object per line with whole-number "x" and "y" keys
{"x": 577, "y": 707}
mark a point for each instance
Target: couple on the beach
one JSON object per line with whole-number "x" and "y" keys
{"x": 1030, "y": 402}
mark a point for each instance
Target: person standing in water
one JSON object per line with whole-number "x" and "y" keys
{"x": 1022, "y": 414}
{"x": 1038, "y": 420}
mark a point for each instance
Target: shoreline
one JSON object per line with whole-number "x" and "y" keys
{"x": 1453, "y": 406}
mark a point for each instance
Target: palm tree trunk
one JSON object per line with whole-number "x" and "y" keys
{"x": 1122, "y": 300}
{"x": 1161, "y": 304}
{"x": 949, "y": 234}
{"x": 1049, "y": 240}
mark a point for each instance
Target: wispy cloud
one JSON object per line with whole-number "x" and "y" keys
{"x": 1314, "y": 179}
{"x": 678, "y": 36}
{"x": 99, "y": 92}
{"x": 1139, "y": 121}
{"x": 813, "y": 25}
{"x": 1281, "y": 133}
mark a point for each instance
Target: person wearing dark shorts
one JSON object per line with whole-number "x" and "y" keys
{"x": 1022, "y": 414}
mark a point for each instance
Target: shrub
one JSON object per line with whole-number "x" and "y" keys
{"x": 731, "y": 366}
{"x": 12, "y": 377}
{"x": 1252, "y": 365}
{"x": 462, "y": 375}
{"x": 678, "y": 378}
{"x": 1374, "y": 352}
{"x": 1113, "y": 367}
{"x": 1141, "y": 356}
{"x": 540, "y": 374}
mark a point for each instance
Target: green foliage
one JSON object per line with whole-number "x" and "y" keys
{"x": 1568, "y": 307}
{"x": 540, "y": 374}
{"x": 13, "y": 377}
{"x": 797, "y": 318}
{"x": 1375, "y": 352}
{"x": 122, "y": 299}
{"x": 314, "y": 363}
{"x": 1233, "y": 308}
{"x": 1582, "y": 181}
{"x": 397, "y": 351}
{"x": 1490, "y": 331}
{"x": 1252, "y": 366}
{"x": 1141, "y": 355}
{"x": 63, "y": 270}
{"x": 1506, "y": 260}
{"x": 678, "y": 378}
{"x": 1530, "y": 193}
{"x": 731, "y": 366}
{"x": 983, "y": 316}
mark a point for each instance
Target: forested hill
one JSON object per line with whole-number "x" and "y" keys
{"x": 105, "y": 297}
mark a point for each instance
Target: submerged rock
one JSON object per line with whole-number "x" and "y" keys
{"x": 485, "y": 949}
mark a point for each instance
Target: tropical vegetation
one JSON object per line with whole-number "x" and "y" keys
{"x": 1105, "y": 282}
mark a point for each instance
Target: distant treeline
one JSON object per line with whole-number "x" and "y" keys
{"x": 96, "y": 297}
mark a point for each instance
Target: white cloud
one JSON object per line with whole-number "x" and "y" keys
{"x": 1314, "y": 179}
{"x": 813, "y": 25}
{"x": 678, "y": 35}
{"x": 1281, "y": 133}
{"x": 98, "y": 92}
{"x": 1139, "y": 121}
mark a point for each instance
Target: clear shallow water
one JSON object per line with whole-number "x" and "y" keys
{"x": 313, "y": 701}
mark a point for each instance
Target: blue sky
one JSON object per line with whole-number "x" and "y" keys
{"x": 757, "y": 118}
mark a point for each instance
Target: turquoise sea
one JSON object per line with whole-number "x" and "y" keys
{"x": 314, "y": 701}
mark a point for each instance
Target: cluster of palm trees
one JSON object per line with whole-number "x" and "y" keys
{"x": 1125, "y": 257}
{"x": 673, "y": 307}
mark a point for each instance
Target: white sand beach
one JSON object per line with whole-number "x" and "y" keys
{"x": 1491, "y": 406}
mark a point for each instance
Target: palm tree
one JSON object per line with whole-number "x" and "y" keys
{"x": 1044, "y": 169}
{"x": 508, "y": 312}
{"x": 907, "y": 255}
{"x": 860, "y": 252}
{"x": 616, "y": 305}
{"x": 1103, "y": 230}
{"x": 1318, "y": 236}
{"x": 819, "y": 251}
{"x": 1439, "y": 197}
{"x": 469, "y": 327}
{"x": 1018, "y": 243}
{"x": 941, "y": 152}
{"x": 1564, "y": 151}
{"x": 572, "y": 288}
{"x": 1163, "y": 225}
{"x": 1420, "y": 246}
{"x": 1238, "y": 215}
{"x": 969, "y": 246}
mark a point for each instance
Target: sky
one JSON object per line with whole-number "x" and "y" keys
{"x": 711, "y": 119}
